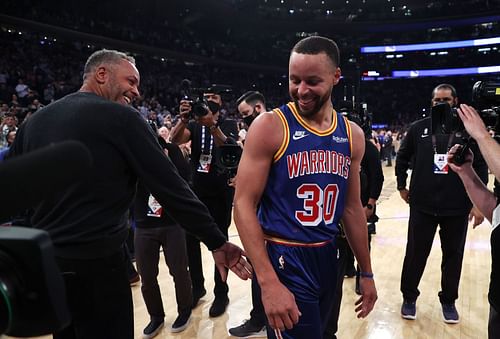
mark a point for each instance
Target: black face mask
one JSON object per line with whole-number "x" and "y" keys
{"x": 213, "y": 106}
{"x": 248, "y": 119}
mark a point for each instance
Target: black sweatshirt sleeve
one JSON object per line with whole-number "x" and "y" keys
{"x": 146, "y": 158}
{"x": 182, "y": 165}
{"x": 374, "y": 173}
{"x": 405, "y": 153}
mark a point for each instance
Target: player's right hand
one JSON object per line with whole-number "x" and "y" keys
{"x": 279, "y": 303}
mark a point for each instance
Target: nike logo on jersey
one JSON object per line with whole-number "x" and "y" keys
{"x": 299, "y": 135}
{"x": 425, "y": 135}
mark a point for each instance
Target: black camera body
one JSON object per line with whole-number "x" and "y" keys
{"x": 32, "y": 292}
{"x": 200, "y": 106}
{"x": 445, "y": 120}
{"x": 229, "y": 159}
{"x": 486, "y": 96}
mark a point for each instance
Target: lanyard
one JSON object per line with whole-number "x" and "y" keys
{"x": 434, "y": 145}
{"x": 203, "y": 143}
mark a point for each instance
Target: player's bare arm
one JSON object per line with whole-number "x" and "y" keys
{"x": 355, "y": 225}
{"x": 263, "y": 140}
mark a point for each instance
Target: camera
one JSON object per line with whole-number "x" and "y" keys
{"x": 486, "y": 96}
{"x": 486, "y": 99}
{"x": 445, "y": 119}
{"x": 229, "y": 159}
{"x": 200, "y": 106}
{"x": 32, "y": 292}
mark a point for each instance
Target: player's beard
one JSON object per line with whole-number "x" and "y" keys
{"x": 318, "y": 104}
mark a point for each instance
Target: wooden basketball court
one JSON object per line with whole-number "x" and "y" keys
{"x": 385, "y": 322}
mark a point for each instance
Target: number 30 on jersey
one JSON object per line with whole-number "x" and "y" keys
{"x": 319, "y": 204}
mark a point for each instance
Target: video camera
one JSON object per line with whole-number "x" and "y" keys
{"x": 486, "y": 96}
{"x": 445, "y": 119}
{"x": 229, "y": 159}
{"x": 200, "y": 106}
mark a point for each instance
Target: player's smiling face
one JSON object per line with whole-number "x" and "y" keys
{"x": 311, "y": 80}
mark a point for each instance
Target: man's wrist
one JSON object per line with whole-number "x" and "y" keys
{"x": 368, "y": 275}
{"x": 402, "y": 188}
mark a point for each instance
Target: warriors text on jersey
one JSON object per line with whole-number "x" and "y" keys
{"x": 305, "y": 193}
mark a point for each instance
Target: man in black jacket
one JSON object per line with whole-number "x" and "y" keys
{"x": 436, "y": 196}
{"x": 207, "y": 133}
{"x": 87, "y": 222}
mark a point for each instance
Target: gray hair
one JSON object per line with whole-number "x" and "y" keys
{"x": 104, "y": 56}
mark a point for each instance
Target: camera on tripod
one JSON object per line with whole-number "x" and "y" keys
{"x": 200, "y": 106}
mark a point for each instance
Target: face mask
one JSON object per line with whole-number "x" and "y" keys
{"x": 248, "y": 119}
{"x": 213, "y": 106}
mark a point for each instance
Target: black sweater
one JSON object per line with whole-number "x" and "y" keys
{"x": 371, "y": 175}
{"x": 143, "y": 194}
{"x": 436, "y": 194}
{"x": 88, "y": 219}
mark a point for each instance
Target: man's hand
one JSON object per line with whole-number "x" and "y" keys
{"x": 207, "y": 120}
{"x": 279, "y": 303}
{"x": 476, "y": 216}
{"x": 184, "y": 110}
{"x": 472, "y": 122}
{"x": 405, "y": 195}
{"x": 368, "y": 212}
{"x": 466, "y": 166}
{"x": 231, "y": 256}
{"x": 364, "y": 305}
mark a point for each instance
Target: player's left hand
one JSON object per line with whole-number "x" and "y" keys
{"x": 364, "y": 305}
{"x": 233, "y": 257}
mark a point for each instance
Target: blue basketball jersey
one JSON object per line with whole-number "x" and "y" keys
{"x": 305, "y": 193}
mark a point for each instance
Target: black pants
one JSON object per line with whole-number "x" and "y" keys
{"x": 494, "y": 324}
{"x": 421, "y": 231}
{"x": 147, "y": 246}
{"x": 99, "y": 298}
{"x": 345, "y": 255}
{"x": 220, "y": 209}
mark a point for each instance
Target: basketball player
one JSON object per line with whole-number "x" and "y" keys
{"x": 301, "y": 163}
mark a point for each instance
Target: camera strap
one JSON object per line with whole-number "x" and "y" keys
{"x": 434, "y": 143}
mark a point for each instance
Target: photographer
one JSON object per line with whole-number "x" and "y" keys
{"x": 485, "y": 200}
{"x": 207, "y": 133}
{"x": 436, "y": 197}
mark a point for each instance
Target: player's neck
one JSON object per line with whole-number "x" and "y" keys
{"x": 322, "y": 120}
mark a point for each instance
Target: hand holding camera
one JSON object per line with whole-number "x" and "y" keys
{"x": 473, "y": 123}
{"x": 185, "y": 110}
